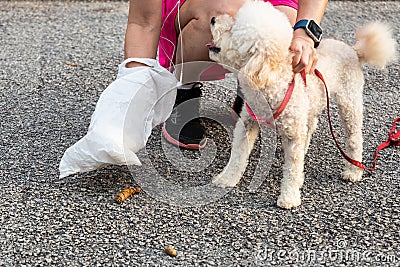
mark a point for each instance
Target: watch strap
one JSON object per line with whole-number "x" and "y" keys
{"x": 301, "y": 24}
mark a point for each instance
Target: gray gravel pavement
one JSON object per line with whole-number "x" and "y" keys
{"x": 46, "y": 105}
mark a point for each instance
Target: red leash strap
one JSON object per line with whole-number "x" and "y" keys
{"x": 289, "y": 94}
{"x": 285, "y": 100}
{"x": 394, "y": 134}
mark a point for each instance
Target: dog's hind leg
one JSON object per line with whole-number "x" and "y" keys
{"x": 351, "y": 112}
{"x": 244, "y": 137}
{"x": 294, "y": 148}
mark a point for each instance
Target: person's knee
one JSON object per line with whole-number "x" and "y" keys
{"x": 203, "y": 10}
{"x": 216, "y": 8}
{"x": 195, "y": 19}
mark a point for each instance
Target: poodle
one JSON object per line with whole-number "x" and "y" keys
{"x": 256, "y": 43}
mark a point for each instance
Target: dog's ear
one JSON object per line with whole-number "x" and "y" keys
{"x": 265, "y": 65}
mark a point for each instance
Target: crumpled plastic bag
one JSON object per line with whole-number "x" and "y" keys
{"x": 126, "y": 112}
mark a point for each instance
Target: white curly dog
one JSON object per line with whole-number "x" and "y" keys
{"x": 256, "y": 43}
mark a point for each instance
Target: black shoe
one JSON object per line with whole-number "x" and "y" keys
{"x": 183, "y": 127}
{"x": 237, "y": 105}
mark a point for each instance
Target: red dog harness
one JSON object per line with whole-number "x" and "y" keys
{"x": 281, "y": 107}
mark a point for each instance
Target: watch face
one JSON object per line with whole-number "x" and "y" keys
{"x": 315, "y": 29}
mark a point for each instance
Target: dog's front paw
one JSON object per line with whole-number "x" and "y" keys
{"x": 352, "y": 174}
{"x": 289, "y": 199}
{"x": 226, "y": 180}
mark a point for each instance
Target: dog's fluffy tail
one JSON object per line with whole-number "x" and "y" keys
{"x": 375, "y": 44}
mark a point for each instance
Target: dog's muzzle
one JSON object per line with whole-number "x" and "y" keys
{"x": 211, "y": 46}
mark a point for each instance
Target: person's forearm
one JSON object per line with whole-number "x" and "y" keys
{"x": 143, "y": 29}
{"x": 311, "y": 9}
{"x": 141, "y": 41}
{"x": 305, "y": 56}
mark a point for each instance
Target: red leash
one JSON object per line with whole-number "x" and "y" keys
{"x": 393, "y": 140}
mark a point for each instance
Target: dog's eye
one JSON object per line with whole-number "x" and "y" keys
{"x": 212, "y": 20}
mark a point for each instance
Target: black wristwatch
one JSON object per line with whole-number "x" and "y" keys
{"x": 312, "y": 29}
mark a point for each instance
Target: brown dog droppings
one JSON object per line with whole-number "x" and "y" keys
{"x": 170, "y": 251}
{"x": 125, "y": 193}
{"x": 72, "y": 64}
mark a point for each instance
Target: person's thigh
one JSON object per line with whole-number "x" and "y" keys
{"x": 194, "y": 24}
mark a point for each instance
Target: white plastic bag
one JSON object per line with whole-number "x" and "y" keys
{"x": 126, "y": 112}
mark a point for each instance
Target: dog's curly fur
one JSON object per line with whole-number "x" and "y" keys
{"x": 256, "y": 43}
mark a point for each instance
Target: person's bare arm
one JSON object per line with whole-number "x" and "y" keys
{"x": 311, "y": 9}
{"x": 143, "y": 29}
{"x": 302, "y": 45}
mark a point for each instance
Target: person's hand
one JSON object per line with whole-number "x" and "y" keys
{"x": 304, "y": 54}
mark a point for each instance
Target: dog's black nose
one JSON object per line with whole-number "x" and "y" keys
{"x": 215, "y": 49}
{"x": 212, "y": 20}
